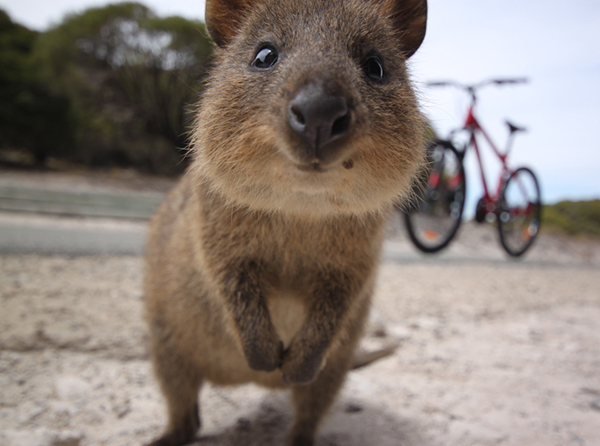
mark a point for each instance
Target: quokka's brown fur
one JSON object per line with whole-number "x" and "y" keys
{"x": 261, "y": 262}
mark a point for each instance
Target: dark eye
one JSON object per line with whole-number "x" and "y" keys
{"x": 373, "y": 68}
{"x": 265, "y": 58}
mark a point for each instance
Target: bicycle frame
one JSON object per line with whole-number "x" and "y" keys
{"x": 473, "y": 127}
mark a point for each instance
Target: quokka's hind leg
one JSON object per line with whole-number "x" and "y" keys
{"x": 312, "y": 401}
{"x": 184, "y": 433}
{"x": 180, "y": 383}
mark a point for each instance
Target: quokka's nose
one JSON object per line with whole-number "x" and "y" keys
{"x": 319, "y": 118}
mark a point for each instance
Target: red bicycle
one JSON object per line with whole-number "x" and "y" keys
{"x": 515, "y": 204}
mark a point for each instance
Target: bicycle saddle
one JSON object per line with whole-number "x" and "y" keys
{"x": 513, "y": 128}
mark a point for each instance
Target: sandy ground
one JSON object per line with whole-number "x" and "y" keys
{"x": 492, "y": 352}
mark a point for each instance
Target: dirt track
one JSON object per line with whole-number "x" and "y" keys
{"x": 492, "y": 352}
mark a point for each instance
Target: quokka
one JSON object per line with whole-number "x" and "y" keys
{"x": 261, "y": 262}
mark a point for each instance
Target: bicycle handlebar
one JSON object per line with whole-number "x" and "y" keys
{"x": 521, "y": 80}
{"x": 473, "y": 87}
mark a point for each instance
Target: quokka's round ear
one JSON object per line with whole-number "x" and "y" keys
{"x": 224, "y": 17}
{"x": 410, "y": 21}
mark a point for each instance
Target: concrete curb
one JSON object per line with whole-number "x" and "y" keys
{"x": 91, "y": 203}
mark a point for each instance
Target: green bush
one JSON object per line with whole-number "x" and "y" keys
{"x": 573, "y": 217}
{"x": 107, "y": 87}
{"x": 32, "y": 117}
{"x": 129, "y": 76}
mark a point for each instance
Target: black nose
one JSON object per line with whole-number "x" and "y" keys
{"x": 319, "y": 118}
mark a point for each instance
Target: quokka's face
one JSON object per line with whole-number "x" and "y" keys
{"x": 310, "y": 110}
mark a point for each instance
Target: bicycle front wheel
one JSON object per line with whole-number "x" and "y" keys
{"x": 435, "y": 219}
{"x": 520, "y": 211}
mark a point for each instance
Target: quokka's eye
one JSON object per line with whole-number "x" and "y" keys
{"x": 265, "y": 58}
{"x": 373, "y": 68}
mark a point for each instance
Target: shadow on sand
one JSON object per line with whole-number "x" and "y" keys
{"x": 350, "y": 422}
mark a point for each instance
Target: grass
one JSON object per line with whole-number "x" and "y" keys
{"x": 579, "y": 218}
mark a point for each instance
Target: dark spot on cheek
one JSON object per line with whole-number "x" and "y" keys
{"x": 349, "y": 164}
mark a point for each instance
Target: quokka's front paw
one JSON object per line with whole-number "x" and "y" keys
{"x": 299, "y": 368}
{"x": 264, "y": 355}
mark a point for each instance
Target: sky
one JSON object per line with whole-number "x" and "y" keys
{"x": 553, "y": 43}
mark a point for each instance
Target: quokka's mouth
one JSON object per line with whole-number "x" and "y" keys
{"x": 317, "y": 166}
{"x": 314, "y": 166}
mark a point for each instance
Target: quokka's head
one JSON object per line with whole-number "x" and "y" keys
{"x": 309, "y": 108}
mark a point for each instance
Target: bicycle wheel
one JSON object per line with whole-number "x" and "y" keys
{"x": 520, "y": 211}
{"x": 434, "y": 220}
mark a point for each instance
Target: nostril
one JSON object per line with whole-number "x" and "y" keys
{"x": 297, "y": 115}
{"x": 341, "y": 125}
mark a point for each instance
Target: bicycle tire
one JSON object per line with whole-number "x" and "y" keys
{"x": 435, "y": 218}
{"x": 520, "y": 211}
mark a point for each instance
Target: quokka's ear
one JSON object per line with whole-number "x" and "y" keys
{"x": 410, "y": 20}
{"x": 224, "y": 17}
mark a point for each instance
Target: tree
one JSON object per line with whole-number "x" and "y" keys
{"x": 129, "y": 76}
{"x": 31, "y": 117}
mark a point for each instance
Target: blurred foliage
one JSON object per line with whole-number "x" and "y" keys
{"x": 121, "y": 78}
{"x": 31, "y": 116}
{"x": 573, "y": 217}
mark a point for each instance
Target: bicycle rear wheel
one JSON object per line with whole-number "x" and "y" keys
{"x": 520, "y": 211}
{"x": 436, "y": 217}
